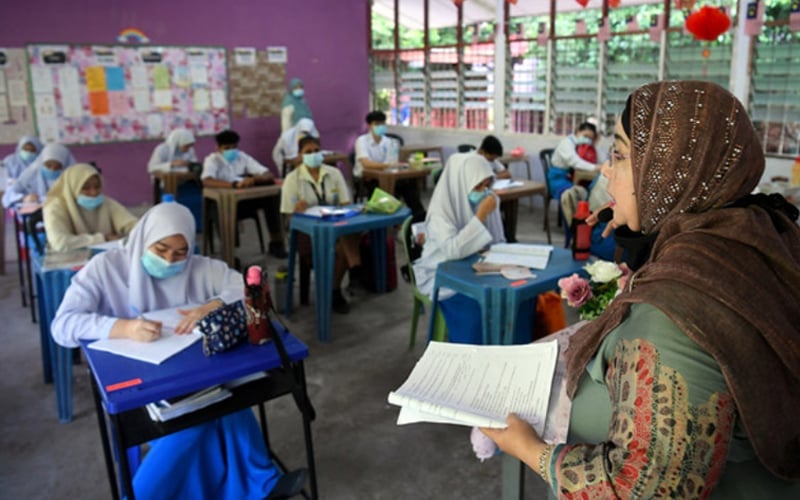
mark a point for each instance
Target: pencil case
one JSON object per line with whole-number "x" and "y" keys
{"x": 223, "y": 328}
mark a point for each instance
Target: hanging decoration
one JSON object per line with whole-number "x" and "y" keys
{"x": 684, "y": 4}
{"x": 708, "y": 23}
{"x": 458, "y": 3}
{"x": 583, "y": 3}
{"x": 614, "y": 3}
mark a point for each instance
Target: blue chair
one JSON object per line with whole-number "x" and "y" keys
{"x": 546, "y": 156}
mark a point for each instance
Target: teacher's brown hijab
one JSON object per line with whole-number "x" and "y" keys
{"x": 727, "y": 276}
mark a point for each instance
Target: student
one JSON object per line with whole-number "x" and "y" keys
{"x": 688, "y": 384}
{"x": 156, "y": 269}
{"x": 374, "y": 150}
{"x": 77, "y": 214}
{"x": 28, "y": 148}
{"x": 492, "y": 149}
{"x": 285, "y": 153}
{"x": 176, "y": 151}
{"x": 294, "y": 106}
{"x": 312, "y": 184}
{"x": 231, "y": 168}
{"x": 565, "y": 157}
{"x": 36, "y": 180}
{"x": 463, "y": 218}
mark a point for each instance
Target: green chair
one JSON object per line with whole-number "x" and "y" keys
{"x": 420, "y": 299}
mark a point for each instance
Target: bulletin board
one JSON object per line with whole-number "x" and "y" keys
{"x": 257, "y": 80}
{"x": 88, "y": 94}
{"x": 16, "y": 116}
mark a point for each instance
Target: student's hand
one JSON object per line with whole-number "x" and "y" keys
{"x": 247, "y": 182}
{"x": 504, "y": 174}
{"x": 486, "y": 207}
{"x": 180, "y": 163}
{"x": 31, "y": 198}
{"x": 140, "y": 330}
{"x": 193, "y": 316}
{"x": 112, "y": 236}
{"x": 300, "y": 206}
{"x": 518, "y": 439}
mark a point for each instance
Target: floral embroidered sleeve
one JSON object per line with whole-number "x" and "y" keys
{"x": 659, "y": 444}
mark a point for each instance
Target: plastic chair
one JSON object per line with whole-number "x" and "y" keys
{"x": 546, "y": 156}
{"x": 397, "y": 138}
{"x": 420, "y": 299}
{"x": 212, "y": 223}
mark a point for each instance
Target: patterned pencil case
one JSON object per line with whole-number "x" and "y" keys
{"x": 223, "y": 328}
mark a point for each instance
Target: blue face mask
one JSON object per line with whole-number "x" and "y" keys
{"x": 313, "y": 160}
{"x": 50, "y": 175}
{"x": 230, "y": 155}
{"x": 26, "y": 156}
{"x": 379, "y": 130}
{"x": 90, "y": 202}
{"x": 475, "y": 197}
{"x": 582, "y": 139}
{"x": 159, "y": 268}
{"x": 298, "y": 92}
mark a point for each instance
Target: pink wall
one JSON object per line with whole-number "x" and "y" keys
{"x": 327, "y": 48}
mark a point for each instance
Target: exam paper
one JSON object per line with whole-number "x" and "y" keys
{"x": 517, "y": 254}
{"x": 155, "y": 352}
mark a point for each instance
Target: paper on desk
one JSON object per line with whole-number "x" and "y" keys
{"x": 155, "y": 352}
{"x": 517, "y": 254}
{"x": 107, "y": 245}
{"x": 501, "y": 184}
{"x": 327, "y": 211}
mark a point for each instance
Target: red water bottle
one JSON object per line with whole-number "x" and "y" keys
{"x": 581, "y": 232}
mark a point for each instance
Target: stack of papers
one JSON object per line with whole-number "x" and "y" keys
{"x": 501, "y": 184}
{"x": 327, "y": 211}
{"x": 66, "y": 260}
{"x": 167, "y": 409}
{"x": 107, "y": 245}
{"x": 517, "y": 254}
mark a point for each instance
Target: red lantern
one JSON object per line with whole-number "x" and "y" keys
{"x": 708, "y": 23}
{"x": 614, "y": 3}
{"x": 458, "y": 2}
{"x": 583, "y": 3}
{"x": 684, "y": 4}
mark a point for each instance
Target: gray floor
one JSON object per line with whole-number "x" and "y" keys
{"x": 360, "y": 451}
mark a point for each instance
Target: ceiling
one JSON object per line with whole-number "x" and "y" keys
{"x": 443, "y": 13}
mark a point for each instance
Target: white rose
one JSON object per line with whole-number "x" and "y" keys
{"x": 602, "y": 271}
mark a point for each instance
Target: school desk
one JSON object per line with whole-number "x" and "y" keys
{"x": 387, "y": 178}
{"x": 169, "y": 182}
{"x": 323, "y": 234}
{"x": 122, "y": 387}
{"x": 25, "y": 251}
{"x": 498, "y": 297}
{"x": 509, "y": 203}
{"x": 227, "y": 200}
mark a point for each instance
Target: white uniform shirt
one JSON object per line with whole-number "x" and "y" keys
{"x": 566, "y": 156}
{"x": 217, "y": 167}
{"x": 381, "y": 151}
{"x": 299, "y": 185}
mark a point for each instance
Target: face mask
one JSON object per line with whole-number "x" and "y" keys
{"x": 27, "y": 156}
{"x": 50, "y": 175}
{"x": 475, "y": 197}
{"x": 313, "y": 160}
{"x": 298, "y": 92}
{"x": 90, "y": 202}
{"x": 159, "y": 268}
{"x": 582, "y": 139}
{"x": 230, "y": 155}
{"x": 379, "y": 130}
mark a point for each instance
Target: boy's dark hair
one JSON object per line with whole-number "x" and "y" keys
{"x": 375, "y": 116}
{"x": 492, "y": 146}
{"x": 227, "y": 137}
{"x": 587, "y": 126}
{"x": 307, "y": 139}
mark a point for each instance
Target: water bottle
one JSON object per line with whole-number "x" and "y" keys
{"x": 167, "y": 197}
{"x": 279, "y": 282}
{"x": 394, "y": 157}
{"x": 581, "y": 233}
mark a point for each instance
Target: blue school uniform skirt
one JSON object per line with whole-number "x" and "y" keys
{"x": 462, "y": 315}
{"x": 222, "y": 459}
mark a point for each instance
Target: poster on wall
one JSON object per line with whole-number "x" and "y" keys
{"x": 16, "y": 115}
{"x": 96, "y": 94}
{"x": 257, "y": 89}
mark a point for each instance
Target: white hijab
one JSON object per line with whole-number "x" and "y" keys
{"x": 176, "y": 139}
{"x": 31, "y": 180}
{"x": 14, "y": 163}
{"x": 291, "y": 136}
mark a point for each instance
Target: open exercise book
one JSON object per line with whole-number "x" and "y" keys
{"x": 472, "y": 385}
{"x": 158, "y": 351}
{"x": 327, "y": 211}
{"x": 514, "y": 254}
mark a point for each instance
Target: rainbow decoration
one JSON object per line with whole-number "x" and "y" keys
{"x": 132, "y": 35}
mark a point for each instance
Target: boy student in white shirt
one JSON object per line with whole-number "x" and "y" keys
{"x": 229, "y": 167}
{"x": 312, "y": 184}
{"x": 376, "y": 151}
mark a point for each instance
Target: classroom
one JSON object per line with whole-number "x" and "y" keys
{"x": 400, "y": 249}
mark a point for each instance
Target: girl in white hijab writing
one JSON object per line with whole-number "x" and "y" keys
{"x": 36, "y": 180}
{"x": 224, "y": 458}
{"x": 176, "y": 151}
{"x": 28, "y": 148}
{"x": 463, "y": 218}
{"x": 77, "y": 214}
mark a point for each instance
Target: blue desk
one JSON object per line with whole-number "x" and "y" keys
{"x": 323, "y": 234}
{"x": 122, "y": 402}
{"x": 498, "y": 297}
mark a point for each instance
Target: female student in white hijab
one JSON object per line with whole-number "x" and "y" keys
{"x": 36, "y": 180}
{"x": 77, "y": 214}
{"x": 286, "y": 153}
{"x": 463, "y": 218}
{"x": 176, "y": 151}
{"x": 28, "y": 148}
{"x": 224, "y": 458}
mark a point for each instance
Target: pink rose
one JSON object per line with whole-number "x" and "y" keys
{"x": 575, "y": 289}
